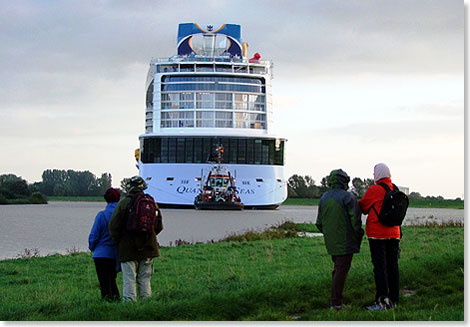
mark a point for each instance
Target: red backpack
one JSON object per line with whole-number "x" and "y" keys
{"x": 142, "y": 215}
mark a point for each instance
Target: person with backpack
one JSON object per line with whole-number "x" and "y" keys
{"x": 339, "y": 219}
{"x": 384, "y": 233}
{"x": 134, "y": 226}
{"x": 104, "y": 250}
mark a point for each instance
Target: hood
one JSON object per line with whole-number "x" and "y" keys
{"x": 381, "y": 171}
{"x": 338, "y": 179}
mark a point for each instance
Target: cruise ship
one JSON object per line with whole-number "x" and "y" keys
{"x": 210, "y": 94}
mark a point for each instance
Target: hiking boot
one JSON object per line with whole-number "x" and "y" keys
{"x": 382, "y": 304}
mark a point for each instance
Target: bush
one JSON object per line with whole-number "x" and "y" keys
{"x": 3, "y": 200}
{"x": 38, "y": 198}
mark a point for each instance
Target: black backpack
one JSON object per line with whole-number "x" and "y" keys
{"x": 394, "y": 207}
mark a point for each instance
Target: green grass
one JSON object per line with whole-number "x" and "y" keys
{"x": 448, "y": 204}
{"x": 300, "y": 202}
{"x": 273, "y": 278}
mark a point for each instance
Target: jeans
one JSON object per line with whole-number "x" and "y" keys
{"x": 136, "y": 271}
{"x": 342, "y": 263}
{"x": 106, "y": 271}
{"x": 384, "y": 254}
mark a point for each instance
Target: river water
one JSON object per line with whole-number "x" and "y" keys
{"x": 61, "y": 227}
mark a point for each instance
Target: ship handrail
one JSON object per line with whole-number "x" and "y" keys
{"x": 222, "y": 59}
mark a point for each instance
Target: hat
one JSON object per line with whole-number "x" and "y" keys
{"x": 381, "y": 170}
{"x": 136, "y": 184}
{"x": 112, "y": 195}
{"x": 338, "y": 179}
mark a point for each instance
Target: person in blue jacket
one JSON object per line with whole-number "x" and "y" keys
{"x": 104, "y": 250}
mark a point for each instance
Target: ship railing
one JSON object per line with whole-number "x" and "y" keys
{"x": 198, "y": 58}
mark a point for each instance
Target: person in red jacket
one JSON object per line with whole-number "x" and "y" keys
{"x": 384, "y": 242}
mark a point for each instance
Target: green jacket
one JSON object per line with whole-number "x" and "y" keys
{"x": 339, "y": 219}
{"x": 133, "y": 246}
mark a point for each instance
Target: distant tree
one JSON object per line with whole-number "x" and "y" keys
{"x": 415, "y": 196}
{"x": 124, "y": 184}
{"x": 103, "y": 183}
{"x": 302, "y": 187}
{"x": 12, "y": 186}
{"x": 360, "y": 186}
{"x": 323, "y": 185}
{"x": 73, "y": 183}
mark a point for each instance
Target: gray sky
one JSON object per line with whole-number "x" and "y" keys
{"x": 356, "y": 83}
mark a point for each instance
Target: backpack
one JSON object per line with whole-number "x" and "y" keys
{"x": 142, "y": 216}
{"x": 394, "y": 206}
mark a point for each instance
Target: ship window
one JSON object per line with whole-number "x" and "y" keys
{"x": 186, "y": 68}
{"x": 172, "y": 150}
{"x": 257, "y": 70}
{"x": 223, "y": 119}
{"x": 197, "y": 150}
{"x": 223, "y": 68}
{"x": 240, "y": 69}
{"x": 242, "y": 120}
{"x": 242, "y": 151}
{"x": 204, "y": 100}
{"x": 204, "y": 119}
{"x": 180, "y": 153}
{"x": 201, "y": 150}
{"x": 149, "y": 98}
{"x": 204, "y": 68}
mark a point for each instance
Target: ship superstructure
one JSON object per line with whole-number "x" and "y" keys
{"x": 209, "y": 95}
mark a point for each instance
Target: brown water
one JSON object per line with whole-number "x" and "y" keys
{"x": 64, "y": 226}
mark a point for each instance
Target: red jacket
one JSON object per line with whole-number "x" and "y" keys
{"x": 375, "y": 197}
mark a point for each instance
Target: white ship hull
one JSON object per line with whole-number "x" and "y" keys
{"x": 178, "y": 184}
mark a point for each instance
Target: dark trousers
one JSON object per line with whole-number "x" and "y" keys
{"x": 342, "y": 263}
{"x": 106, "y": 271}
{"x": 384, "y": 254}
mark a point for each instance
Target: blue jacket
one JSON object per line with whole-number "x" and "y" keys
{"x": 99, "y": 241}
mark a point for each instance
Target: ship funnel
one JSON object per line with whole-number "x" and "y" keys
{"x": 244, "y": 50}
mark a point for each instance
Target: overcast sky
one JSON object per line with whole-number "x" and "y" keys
{"x": 356, "y": 82}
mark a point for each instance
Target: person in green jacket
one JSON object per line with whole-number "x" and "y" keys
{"x": 136, "y": 251}
{"x": 339, "y": 219}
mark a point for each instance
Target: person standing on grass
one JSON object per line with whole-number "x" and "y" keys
{"x": 104, "y": 250}
{"x": 339, "y": 219}
{"x": 136, "y": 249}
{"x": 384, "y": 242}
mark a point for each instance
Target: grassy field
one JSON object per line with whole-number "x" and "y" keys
{"x": 252, "y": 277}
{"x": 448, "y": 204}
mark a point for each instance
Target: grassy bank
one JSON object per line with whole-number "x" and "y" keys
{"x": 245, "y": 279}
{"x": 35, "y": 198}
{"x": 447, "y": 204}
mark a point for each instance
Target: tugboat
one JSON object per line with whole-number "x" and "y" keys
{"x": 219, "y": 191}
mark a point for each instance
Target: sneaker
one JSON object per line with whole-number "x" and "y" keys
{"x": 382, "y": 304}
{"x": 340, "y": 307}
{"x": 336, "y": 307}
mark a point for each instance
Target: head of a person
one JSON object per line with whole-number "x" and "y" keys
{"x": 338, "y": 179}
{"x": 112, "y": 195}
{"x": 381, "y": 171}
{"x": 135, "y": 184}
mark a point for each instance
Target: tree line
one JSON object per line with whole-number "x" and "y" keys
{"x": 69, "y": 182}
{"x": 55, "y": 182}
{"x": 304, "y": 187}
